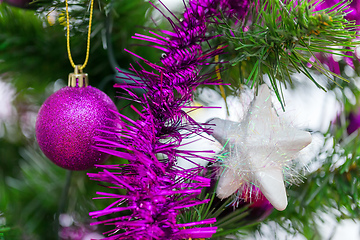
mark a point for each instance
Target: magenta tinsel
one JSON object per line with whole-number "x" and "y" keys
{"x": 158, "y": 190}
{"x": 67, "y": 123}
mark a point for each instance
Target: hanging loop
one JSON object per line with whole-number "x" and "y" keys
{"x": 78, "y": 78}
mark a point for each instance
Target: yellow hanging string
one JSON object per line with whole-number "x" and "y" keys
{"x": 68, "y": 36}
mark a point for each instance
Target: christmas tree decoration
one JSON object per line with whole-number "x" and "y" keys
{"x": 259, "y": 206}
{"x": 68, "y": 122}
{"x": 201, "y": 149}
{"x": 267, "y": 149}
{"x": 71, "y": 118}
{"x": 165, "y": 190}
{"x": 18, "y": 3}
{"x": 73, "y": 229}
{"x": 354, "y": 122}
{"x": 260, "y": 149}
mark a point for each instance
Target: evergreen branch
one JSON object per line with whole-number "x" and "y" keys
{"x": 233, "y": 216}
{"x": 282, "y": 37}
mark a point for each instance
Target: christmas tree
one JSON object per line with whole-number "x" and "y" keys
{"x": 205, "y": 119}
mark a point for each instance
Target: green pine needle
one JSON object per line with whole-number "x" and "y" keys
{"x": 234, "y": 222}
{"x": 283, "y": 38}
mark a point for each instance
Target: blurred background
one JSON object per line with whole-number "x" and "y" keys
{"x": 39, "y": 200}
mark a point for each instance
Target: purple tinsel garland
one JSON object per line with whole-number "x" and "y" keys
{"x": 157, "y": 189}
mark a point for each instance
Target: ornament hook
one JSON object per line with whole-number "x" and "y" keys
{"x": 78, "y": 78}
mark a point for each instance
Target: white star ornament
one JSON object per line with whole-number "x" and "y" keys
{"x": 259, "y": 151}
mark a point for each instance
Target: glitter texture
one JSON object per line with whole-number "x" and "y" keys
{"x": 67, "y": 123}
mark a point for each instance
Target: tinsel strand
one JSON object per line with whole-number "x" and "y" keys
{"x": 158, "y": 190}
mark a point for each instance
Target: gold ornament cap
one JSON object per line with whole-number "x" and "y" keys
{"x": 78, "y": 78}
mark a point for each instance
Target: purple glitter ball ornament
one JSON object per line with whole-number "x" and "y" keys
{"x": 67, "y": 123}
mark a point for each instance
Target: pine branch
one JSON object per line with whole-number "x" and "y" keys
{"x": 232, "y": 216}
{"x": 281, "y": 38}
{"x": 27, "y": 40}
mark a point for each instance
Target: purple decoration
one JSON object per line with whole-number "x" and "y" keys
{"x": 72, "y": 229}
{"x": 158, "y": 190}
{"x": 235, "y": 8}
{"x": 354, "y": 122}
{"x": 18, "y": 3}
{"x": 67, "y": 123}
{"x": 352, "y": 11}
{"x": 260, "y": 206}
{"x": 353, "y": 14}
